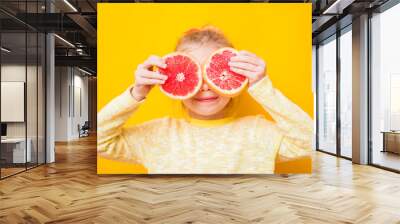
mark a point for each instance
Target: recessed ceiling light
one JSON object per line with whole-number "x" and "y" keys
{"x": 337, "y": 7}
{"x": 64, "y": 40}
{"x": 5, "y": 50}
{"x": 70, "y": 5}
{"x": 84, "y": 71}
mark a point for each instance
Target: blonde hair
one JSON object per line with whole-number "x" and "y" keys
{"x": 203, "y": 36}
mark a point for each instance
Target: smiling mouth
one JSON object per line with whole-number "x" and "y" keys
{"x": 206, "y": 99}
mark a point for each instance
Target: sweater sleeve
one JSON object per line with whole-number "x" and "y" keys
{"x": 112, "y": 141}
{"x": 295, "y": 124}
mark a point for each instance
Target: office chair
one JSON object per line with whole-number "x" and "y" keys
{"x": 84, "y": 130}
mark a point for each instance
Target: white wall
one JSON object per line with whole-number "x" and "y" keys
{"x": 61, "y": 103}
{"x": 80, "y": 103}
{"x": 12, "y": 73}
{"x": 16, "y": 72}
{"x": 71, "y": 94}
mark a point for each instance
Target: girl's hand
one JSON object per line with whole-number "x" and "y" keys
{"x": 249, "y": 65}
{"x": 145, "y": 78}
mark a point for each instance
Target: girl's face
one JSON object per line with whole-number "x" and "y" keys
{"x": 206, "y": 104}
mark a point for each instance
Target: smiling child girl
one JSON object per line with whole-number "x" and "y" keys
{"x": 209, "y": 141}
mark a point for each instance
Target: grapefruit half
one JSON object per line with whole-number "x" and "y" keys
{"x": 184, "y": 76}
{"x": 219, "y": 77}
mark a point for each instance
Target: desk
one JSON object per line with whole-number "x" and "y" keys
{"x": 391, "y": 141}
{"x": 17, "y": 151}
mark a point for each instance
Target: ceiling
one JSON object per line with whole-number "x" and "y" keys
{"x": 72, "y": 20}
{"x": 76, "y": 22}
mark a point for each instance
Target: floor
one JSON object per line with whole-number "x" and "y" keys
{"x": 13, "y": 170}
{"x": 10, "y": 171}
{"x": 387, "y": 159}
{"x": 70, "y": 191}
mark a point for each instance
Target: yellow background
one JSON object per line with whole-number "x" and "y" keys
{"x": 129, "y": 33}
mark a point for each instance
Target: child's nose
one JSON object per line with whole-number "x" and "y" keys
{"x": 204, "y": 86}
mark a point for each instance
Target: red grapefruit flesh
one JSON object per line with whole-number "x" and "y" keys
{"x": 219, "y": 77}
{"x": 184, "y": 76}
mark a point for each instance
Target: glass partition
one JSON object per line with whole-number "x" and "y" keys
{"x": 31, "y": 99}
{"x": 14, "y": 153}
{"x": 33, "y": 64}
{"x": 22, "y": 77}
{"x": 41, "y": 107}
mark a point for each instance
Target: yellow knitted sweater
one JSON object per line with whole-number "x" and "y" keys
{"x": 179, "y": 146}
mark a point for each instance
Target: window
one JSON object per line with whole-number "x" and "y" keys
{"x": 327, "y": 95}
{"x": 385, "y": 89}
{"x": 346, "y": 93}
{"x": 395, "y": 102}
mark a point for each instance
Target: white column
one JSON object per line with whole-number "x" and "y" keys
{"x": 50, "y": 99}
{"x": 50, "y": 92}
